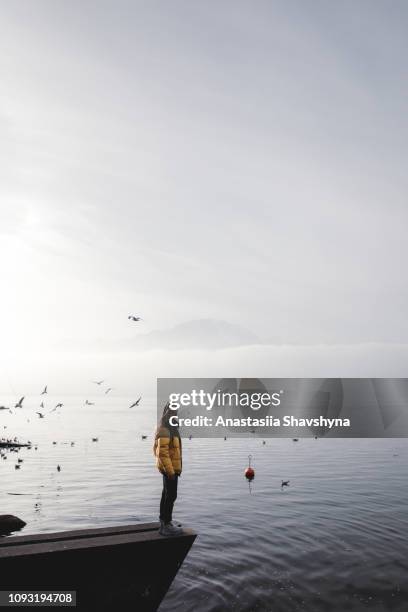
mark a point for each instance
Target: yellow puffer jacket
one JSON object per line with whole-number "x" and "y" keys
{"x": 168, "y": 452}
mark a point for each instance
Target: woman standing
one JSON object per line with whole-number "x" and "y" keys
{"x": 167, "y": 449}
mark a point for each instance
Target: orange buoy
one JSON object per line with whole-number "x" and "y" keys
{"x": 249, "y": 472}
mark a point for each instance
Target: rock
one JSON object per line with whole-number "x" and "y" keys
{"x": 9, "y": 523}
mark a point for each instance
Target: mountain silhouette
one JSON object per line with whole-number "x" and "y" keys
{"x": 197, "y": 334}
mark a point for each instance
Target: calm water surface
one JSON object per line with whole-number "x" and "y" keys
{"x": 336, "y": 539}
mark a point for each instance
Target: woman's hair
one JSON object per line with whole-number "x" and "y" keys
{"x": 165, "y": 421}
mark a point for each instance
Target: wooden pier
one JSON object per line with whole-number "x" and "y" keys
{"x": 4, "y": 444}
{"x": 128, "y": 567}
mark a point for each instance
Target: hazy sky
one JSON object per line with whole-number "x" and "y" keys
{"x": 243, "y": 161}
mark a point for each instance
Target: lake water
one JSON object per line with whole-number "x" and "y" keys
{"x": 336, "y": 539}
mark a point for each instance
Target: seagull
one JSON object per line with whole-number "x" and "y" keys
{"x": 17, "y": 466}
{"x": 94, "y": 439}
{"x": 58, "y": 468}
{"x": 20, "y": 460}
{"x": 295, "y": 439}
{"x": 45, "y": 390}
{"x": 19, "y": 403}
{"x": 107, "y": 390}
{"x": 285, "y": 483}
{"x": 98, "y": 382}
{"x": 88, "y": 403}
{"x": 133, "y": 318}
{"x": 42, "y": 405}
{"x": 59, "y": 405}
{"x": 144, "y": 437}
{"x": 40, "y": 414}
{"x": 136, "y": 403}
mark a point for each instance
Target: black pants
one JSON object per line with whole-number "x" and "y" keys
{"x": 169, "y": 496}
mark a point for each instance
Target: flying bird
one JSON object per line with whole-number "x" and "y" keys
{"x": 45, "y": 390}
{"x": 59, "y": 405}
{"x": 136, "y": 403}
{"x": 20, "y": 403}
{"x": 98, "y": 382}
{"x": 88, "y": 403}
{"x": 58, "y": 468}
{"x": 133, "y": 318}
{"x": 107, "y": 390}
{"x": 285, "y": 483}
{"x": 42, "y": 405}
{"x": 40, "y": 414}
